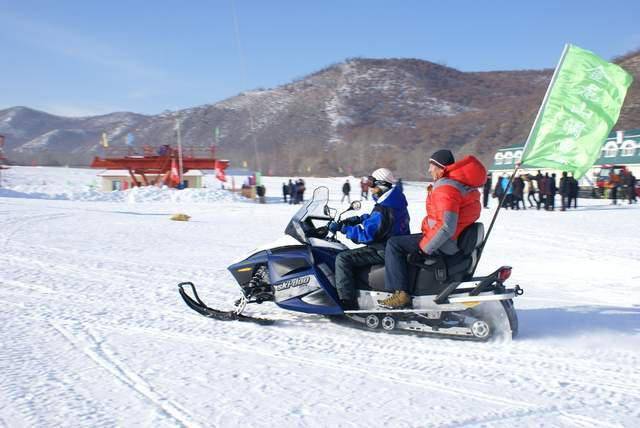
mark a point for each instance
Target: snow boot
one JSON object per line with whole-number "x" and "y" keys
{"x": 398, "y": 300}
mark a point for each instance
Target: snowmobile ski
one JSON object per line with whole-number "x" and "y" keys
{"x": 199, "y": 306}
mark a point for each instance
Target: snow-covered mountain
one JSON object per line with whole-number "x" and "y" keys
{"x": 343, "y": 118}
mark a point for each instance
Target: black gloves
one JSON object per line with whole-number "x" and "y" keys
{"x": 334, "y": 227}
{"x": 351, "y": 221}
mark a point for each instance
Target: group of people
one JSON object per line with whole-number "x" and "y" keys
{"x": 452, "y": 204}
{"x": 625, "y": 181}
{"x": 541, "y": 191}
{"x": 293, "y": 191}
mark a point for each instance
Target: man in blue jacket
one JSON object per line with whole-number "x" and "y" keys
{"x": 388, "y": 218}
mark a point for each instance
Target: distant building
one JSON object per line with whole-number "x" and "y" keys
{"x": 119, "y": 179}
{"x": 620, "y": 148}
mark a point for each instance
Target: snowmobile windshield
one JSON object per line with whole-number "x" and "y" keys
{"x": 311, "y": 220}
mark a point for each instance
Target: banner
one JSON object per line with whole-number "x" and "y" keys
{"x": 174, "y": 176}
{"x": 581, "y": 106}
{"x": 220, "y": 175}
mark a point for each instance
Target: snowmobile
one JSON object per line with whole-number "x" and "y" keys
{"x": 297, "y": 273}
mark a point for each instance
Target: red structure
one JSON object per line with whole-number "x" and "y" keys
{"x": 160, "y": 162}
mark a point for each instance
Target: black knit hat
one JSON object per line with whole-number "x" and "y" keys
{"x": 442, "y": 158}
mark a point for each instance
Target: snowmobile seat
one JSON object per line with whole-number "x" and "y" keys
{"x": 432, "y": 274}
{"x": 371, "y": 278}
{"x": 464, "y": 262}
{"x": 423, "y": 273}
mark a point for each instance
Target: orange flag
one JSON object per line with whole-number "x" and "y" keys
{"x": 174, "y": 178}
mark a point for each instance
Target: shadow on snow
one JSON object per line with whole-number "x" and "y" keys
{"x": 577, "y": 320}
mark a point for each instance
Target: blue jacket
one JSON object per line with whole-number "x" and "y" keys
{"x": 504, "y": 182}
{"x": 388, "y": 218}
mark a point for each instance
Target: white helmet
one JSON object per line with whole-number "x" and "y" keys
{"x": 384, "y": 174}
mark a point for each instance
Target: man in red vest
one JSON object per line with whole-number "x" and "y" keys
{"x": 453, "y": 203}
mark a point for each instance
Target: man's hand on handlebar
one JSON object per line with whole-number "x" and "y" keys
{"x": 352, "y": 221}
{"x": 334, "y": 226}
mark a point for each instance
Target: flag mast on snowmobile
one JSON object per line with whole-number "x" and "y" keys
{"x": 517, "y": 167}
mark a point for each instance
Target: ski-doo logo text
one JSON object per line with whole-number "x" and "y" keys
{"x": 291, "y": 283}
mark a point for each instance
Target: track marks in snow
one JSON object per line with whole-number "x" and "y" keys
{"x": 125, "y": 324}
{"x": 85, "y": 341}
{"x": 13, "y": 225}
{"x": 428, "y": 360}
{"x": 502, "y": 408}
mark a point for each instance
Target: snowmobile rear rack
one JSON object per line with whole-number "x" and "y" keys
{"x": 199, "y": 306}
{"x": 490, "y": 282}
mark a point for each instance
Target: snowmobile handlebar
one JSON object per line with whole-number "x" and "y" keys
{"x": 331, "y": 236}
{"x": 353, "y": 206}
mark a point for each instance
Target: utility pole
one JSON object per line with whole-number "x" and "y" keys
{"x": 179, "y": 152}
{"x": 1, "y": 157}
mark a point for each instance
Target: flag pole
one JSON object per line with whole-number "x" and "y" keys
{"x": 524, "y": 150}
{"x": 495, "y": 215}
{"x": 546, "y": 97}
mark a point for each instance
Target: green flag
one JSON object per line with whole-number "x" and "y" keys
{"x": 581, "y": 106}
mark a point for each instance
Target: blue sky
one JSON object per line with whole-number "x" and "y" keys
{"x": 87, "y": 57}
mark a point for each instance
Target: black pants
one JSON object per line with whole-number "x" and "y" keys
{"x": 542, "y": 201}
{"x": 532, "y": 195}
{"x": 348, "y": 262}
{"x": 550, "y": 202}
{"x": 566, "y": 201}
{"x": 345, "y": 195}
{"x": 508, "y": 201}
{"x": 614, "y": 195}
{"x": 396, "y": 272}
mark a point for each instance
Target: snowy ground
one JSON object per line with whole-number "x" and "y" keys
{"x": 93, "y": 332}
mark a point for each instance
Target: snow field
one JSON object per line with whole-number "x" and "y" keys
{"x": 94, "y": 332}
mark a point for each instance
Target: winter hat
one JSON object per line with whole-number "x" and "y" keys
{"x": 383, "y": 174}
{"x": 382, "y": 178}
{"x": 442, "y": 158}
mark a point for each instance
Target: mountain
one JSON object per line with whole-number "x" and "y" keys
{"x": 346, "y": 118}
